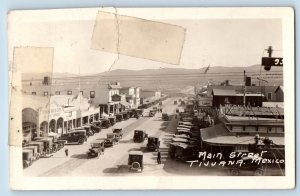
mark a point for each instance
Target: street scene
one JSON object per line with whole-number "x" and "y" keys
{"x": 113, "y": 95}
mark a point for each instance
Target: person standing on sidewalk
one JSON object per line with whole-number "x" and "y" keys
{"x": 67, "y": 152}
{"x": 158, "y": 157}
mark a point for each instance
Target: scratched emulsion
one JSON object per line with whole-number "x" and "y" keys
{"x": 26, "y": 59}
{"x": 138, "y": 37}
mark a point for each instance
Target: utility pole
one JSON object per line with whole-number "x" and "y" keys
{"x": 244, "y": 88}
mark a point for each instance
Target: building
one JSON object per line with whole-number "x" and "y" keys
{"x": 109, "y": 99}
{"x": 239, "y": 128}
{"x": 268, "y": 92}
{"x": 58, "y": 114}
{"x": 229, "y": 96}
{"x": 132, "y": 95}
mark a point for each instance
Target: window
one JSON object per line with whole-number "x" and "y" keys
{"x": 92, "y": 94}
{"x": 57, "y": 92}
{"x": 69, "y": 93}
{"x": 269, "y": 96}
{"x": 33, "y": 93}
{"x": 46, "y": 93}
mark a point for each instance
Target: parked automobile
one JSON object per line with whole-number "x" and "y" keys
{"x": 119, "y": 117}
{"x": 112, "y": 120}
{"x": 57, "y": 144}
{"x": 139, "y": 136}
{"x": 89, "y": 131}
{"x": 153, "y": 143}
{"x": 152, "y": 113}
{"x": 39, "y": 145}
{"x": 105, "y": 123}
{"x": 138, "y": 113}
{"x": 27, "y": 157}
{"x": 75, "y": 136}
{"x": 96, "y": 126}
{"x": 47, "y": 142}
{"x": 186, "y": 152}
{"x": 135, "y": 160}
{"x": 97, "y": 148}
{"x": 34, "y": 149}
{"x": 125, "y": 115}
{"x": 165, "y": 117}
{"x": 111, "y": 140}
{"x": 256, "y": 168}
{"x": 118, "y": 132}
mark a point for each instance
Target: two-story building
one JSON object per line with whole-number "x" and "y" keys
{"x": 132, "y": 95}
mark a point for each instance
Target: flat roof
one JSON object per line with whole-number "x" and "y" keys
{"x": 220, "y": 135}
{"x": 241, "y": 140}
{"x": 227, "y": 92}
{"x": 135, "y": 152}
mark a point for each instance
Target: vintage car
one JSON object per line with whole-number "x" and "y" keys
{"x": 57, "y": 144}
{"x": 75, "y": 136}
{"x": 184, "y": 136}
{"x": 88, "y": 129}
{"x": 248, "y": 166}
{"x": 39, "y": 145}
{"x": 185, "y": 123}
{"x": 125, "y": 115}
{"x": 139, "y": 136}
{"x": 119, "y": 117}
{"x": 112, "y": 120}
{"x": 165, "y": 117}
{"x": 138, "y": 113}
{"x": 182, "y": 140}
{"x": 95, "y": 126}
{"x": 152, "y": 113}
{"x": 27, "y": 157}
{"x": 97, "y": 148}
{"x": 34, "y": 149}
{"x": 105, "y": 123}
{"x": 47, "y": 142}
{"x": 135, "y": 161}
{"x": 111, "y": 140}
{"x": 186, "y": 152}
{"x": 153, "y": 143}
{"x": 118, "y": 132}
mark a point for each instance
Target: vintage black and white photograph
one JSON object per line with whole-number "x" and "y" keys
{"x": 196, "y": 95}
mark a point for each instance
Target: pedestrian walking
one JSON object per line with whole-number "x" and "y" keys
{"x": 67, "y": 152}
{"x": 158, "y": 157}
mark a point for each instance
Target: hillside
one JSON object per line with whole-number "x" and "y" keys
{"x": 171, "y": 78}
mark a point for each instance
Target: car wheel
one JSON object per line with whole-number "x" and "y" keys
{"x": 234, "y": 172}
{"x": 81, "y": 141}
{"x": 136, "y": 165}
{"x": 259, "y": 172}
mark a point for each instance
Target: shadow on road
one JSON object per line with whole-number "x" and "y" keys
{"x": 126, "y": 141}
{"x": 79, "y": 156}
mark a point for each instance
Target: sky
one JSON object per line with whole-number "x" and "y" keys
{"x": 214, "y": 42}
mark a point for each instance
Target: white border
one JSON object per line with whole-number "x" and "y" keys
{"x": 18, "y": 181}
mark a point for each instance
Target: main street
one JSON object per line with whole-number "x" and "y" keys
{"x": 114, "y": 161}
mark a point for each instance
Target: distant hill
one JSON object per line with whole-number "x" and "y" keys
{"x": 174, "y": 78}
